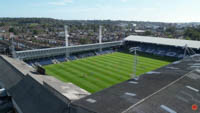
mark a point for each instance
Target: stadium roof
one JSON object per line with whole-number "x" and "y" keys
{"x": 28, "y": 95}
{"x": 164, "y": 41}
{"x": 173, "y": 88}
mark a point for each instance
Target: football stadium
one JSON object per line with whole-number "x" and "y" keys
{"x": 139, "y": 74}
{"x": 96, "y": 73}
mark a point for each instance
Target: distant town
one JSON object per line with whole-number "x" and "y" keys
{"x": 37, "y": 33}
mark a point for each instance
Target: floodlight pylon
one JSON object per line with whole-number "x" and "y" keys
{"x": 13, "y": 47}
{"x": 66, "y": 40}
{"x": 135, "y": 61}
{"x": 100, "y": 36}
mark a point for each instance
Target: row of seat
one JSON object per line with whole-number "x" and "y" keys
{"x": 163, "y": 52}
{"x": 62, "y": 58}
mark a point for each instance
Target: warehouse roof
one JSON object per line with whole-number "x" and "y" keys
{"x": 164, "y": 41}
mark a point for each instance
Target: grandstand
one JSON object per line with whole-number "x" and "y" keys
{"x": 162, "y": 46}
{"x": 158, "y": 89}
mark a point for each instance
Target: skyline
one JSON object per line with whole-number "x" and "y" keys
{"x": 129, "y": 10}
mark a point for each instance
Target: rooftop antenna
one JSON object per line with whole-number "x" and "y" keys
{"x": 66, "y": 39}
{"x": 100, "y": 36}
{"x": 135, "y": 62}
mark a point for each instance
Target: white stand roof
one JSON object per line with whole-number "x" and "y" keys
{"x": 164, "y": 41}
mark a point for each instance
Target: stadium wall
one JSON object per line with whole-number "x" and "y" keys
{"x": 55, "y": 92}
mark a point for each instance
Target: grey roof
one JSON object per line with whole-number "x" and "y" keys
{"x": 32, "y": 97}
{"x": 178, "y": 97}
{"x": 9, "y": 76}
{"x": 68, "y": 47}
{"x": 28, "y": 94}
{"x": 127, "y": 96}
{"x": 164, "y": 41}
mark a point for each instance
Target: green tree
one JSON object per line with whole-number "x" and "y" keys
{"x": 171, "y": 30}
{"x": 35, "y": 32}
{"x": 148, "y": 33}
{"x": 2, "y": 24}
{"x": 192, "y": 33}
{"x": 188, "y": 38}
{"x": 11, "y": 30}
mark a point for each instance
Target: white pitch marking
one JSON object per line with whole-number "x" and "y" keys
{"x": 132, "y": 82}
{"x": 130, "y": 94}
{"x": 194, "y": 89}
{"x": 91, "y": 100}
{"x": 153, "y": 72}
{"x": 167, "y": 109}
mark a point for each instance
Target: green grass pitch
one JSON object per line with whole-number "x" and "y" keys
{"x": 96, "y": 73}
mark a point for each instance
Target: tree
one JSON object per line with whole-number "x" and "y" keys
{"x": 11, "y": 30}
{"x": 188, "y": 38}
{"x": 148, "y": 33}
{"x": 192, "y": 33}
{"x": 171, "y": 30}
{"x": 170, "y": 36}
{"x": 35, "y": 32}
{"x": 2, "y": 24}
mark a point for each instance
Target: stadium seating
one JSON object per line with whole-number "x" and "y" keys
{"x": 62, "y": 58}
{"x": 159, "y": 50}
{"x": 45, "y": 61}
{"x": 71, "y": 58}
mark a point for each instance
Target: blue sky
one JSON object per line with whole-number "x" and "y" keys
{"x": 138, "y": 10}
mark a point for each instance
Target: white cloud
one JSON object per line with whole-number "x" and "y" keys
{"x": 61, "y": 3}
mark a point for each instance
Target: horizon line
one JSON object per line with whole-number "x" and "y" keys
{"x": 103, "y": 20}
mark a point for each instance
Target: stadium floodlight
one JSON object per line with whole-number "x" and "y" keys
{"x": 135, "y": 61}
{"x": 66, "y": 36}
{"x": 100, "y": 36}
{"x": 66, "y": 39}
{"x": 13, "y": 47}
